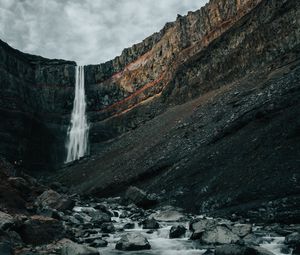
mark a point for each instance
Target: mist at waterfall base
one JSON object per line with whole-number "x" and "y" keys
{"x": 77, "y": 141}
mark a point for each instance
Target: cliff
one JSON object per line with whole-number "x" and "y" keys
{"x": 35, "y": 103}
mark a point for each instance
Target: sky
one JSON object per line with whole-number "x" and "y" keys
{"x": 86, "y": 31}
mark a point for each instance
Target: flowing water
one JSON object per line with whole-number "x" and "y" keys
{"x": 77, "y": 143}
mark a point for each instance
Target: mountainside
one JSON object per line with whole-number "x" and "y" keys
{"x": 203, "y": 113}
{"x": 234, "y": 146}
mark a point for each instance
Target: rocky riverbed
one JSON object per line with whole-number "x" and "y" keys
{"x": 55, "y": 222}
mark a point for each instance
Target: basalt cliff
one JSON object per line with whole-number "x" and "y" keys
{"x": 204, "y": 113}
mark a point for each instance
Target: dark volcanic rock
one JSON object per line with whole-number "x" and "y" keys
{"x": 150, "y": 224}
{"x": 177, "y": 231}
{"x": 139, "y": 197}
{"x": 41, "y": 230}
{"x": 71, "y": 248}
{"x": 54, "y": 200}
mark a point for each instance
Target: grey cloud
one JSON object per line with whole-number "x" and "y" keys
{"x": 87, "y": 31}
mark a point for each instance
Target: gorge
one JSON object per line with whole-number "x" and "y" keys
{"x": 200, "y": 121}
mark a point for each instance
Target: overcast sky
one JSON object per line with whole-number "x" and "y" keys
{"x": 87, "y": 31}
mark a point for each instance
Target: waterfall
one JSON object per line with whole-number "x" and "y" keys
{"x": 77, "y": 142}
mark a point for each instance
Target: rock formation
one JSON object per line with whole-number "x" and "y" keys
{"x": 203, "y": 113}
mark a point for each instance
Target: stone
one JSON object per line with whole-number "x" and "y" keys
{"x": 133, "y": 242}
{"x": 230, "y": 249}
{"x": 200, "y": 225}
{"x": 219, "y": 235}
{"x": 252, "y": 239}
{"x": 54, "y": 200}
{"x": 177, "y": 231}
{"x": 129, "y": 225}
{"x": 99, "y": 243}
{"x": 6, "y": 221}
{"x": 5, "y": 244}
{"x": 292, "y": 239}
{"x": 257, "y": 250}
{"x": 41, "y": 230}
{"x": 140, "y": 197}
{"x": 150, "y": 224}
{"x": 168, "y": 214}
{"x": 241, "y": 229}
{"x": 108, "y": 227}
{"x": 71, "y": 248}
{"x": 99, "y": 217}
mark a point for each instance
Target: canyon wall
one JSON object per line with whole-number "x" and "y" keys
{"x": 35, "y": 103}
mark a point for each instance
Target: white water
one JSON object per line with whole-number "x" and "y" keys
{"x": 77, "y": 142}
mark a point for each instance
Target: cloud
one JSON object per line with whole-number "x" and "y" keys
{"x": 87, "y": 31}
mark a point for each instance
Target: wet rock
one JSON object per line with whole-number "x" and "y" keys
{"x": 98, "y": 243}
{"x": 140, "y": 197}
{"x": 99, "y": 217}
{"x": 219, "y": 235}
{"x": 252, "y": 239}
{"x": 20, "y": 184}
{"x": 71, "y": 248}
{"x": 177, "y": 231}
{"x": 168, "y": 214}
{"x": 133, "y": 242}
{"x": 41, "y": 230}
{"x": 5, "y": 244}
{"x": 293, "y": 241}
{"x": 150, "y": 224}
{"x": 234, "y": 249}
{"x": 108, "y": 227}
{"x": 200, "y": 225}
{"x": 230, "y": 249}
{"x": 6, "y": 220}
{"x": 241, "y": 229}
{"x": 129, "y": 225}
{"x": 54, "y": 200}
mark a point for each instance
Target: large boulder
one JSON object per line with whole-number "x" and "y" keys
{"x": 6, "y": 220}
{"x": 293, "y": 241}
{"x": 140, "y": 198}
{"x": 219, "y": 235}
{"x": 200, "y": 225}
{"x": 41, "y": 230}
{"x": 71, "y": 248}
{"x": 168, "y": 214}
{"x": 54, "y": 200}
{"x": 5, "y": 244}
{"x": 177, "y": 231}
{"x": 133, "y": 242}
{"x": 242, "y": 229}
{"x": 234, "y": 249}
{"x": 150, "y": 224}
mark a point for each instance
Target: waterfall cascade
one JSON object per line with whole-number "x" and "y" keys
{"x": 77, "y": 143}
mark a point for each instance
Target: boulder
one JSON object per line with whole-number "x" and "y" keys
{"x": 5, "y": 244}
{"x": 41, "y": 230}
{"x": 150, "y": 224}
{"x": 177, "y": 231}
{"x": 230, "y": 249}
{"x": 200, "y": 225}
{"x": 71, "y": 248}
{"x": 219, "y": 235}
{"x": 252, "y": 239}
{"x": 140, "y": 198}
{"x": 54, "y": 200}
{"x": 234, "y": 249}
{"x": 292, "y": 239}
{"x": 168, "y": 214}
{"x": 242, "y": 229}
{"x": 129, "y": 225}
{"x": 133, "y": 242}
{"x": 6, "y": 220}
{"x": 99, "y": 217}
{"x": 108, "y": 227}
{"x": 98, "y": 243}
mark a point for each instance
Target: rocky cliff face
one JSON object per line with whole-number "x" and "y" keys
{"x": 222, "y": 133}
{"x": 142, "y": 72}
{"x": 36, "y": 99}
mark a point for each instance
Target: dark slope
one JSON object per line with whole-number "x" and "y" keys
{"x": 234, "y": 147}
